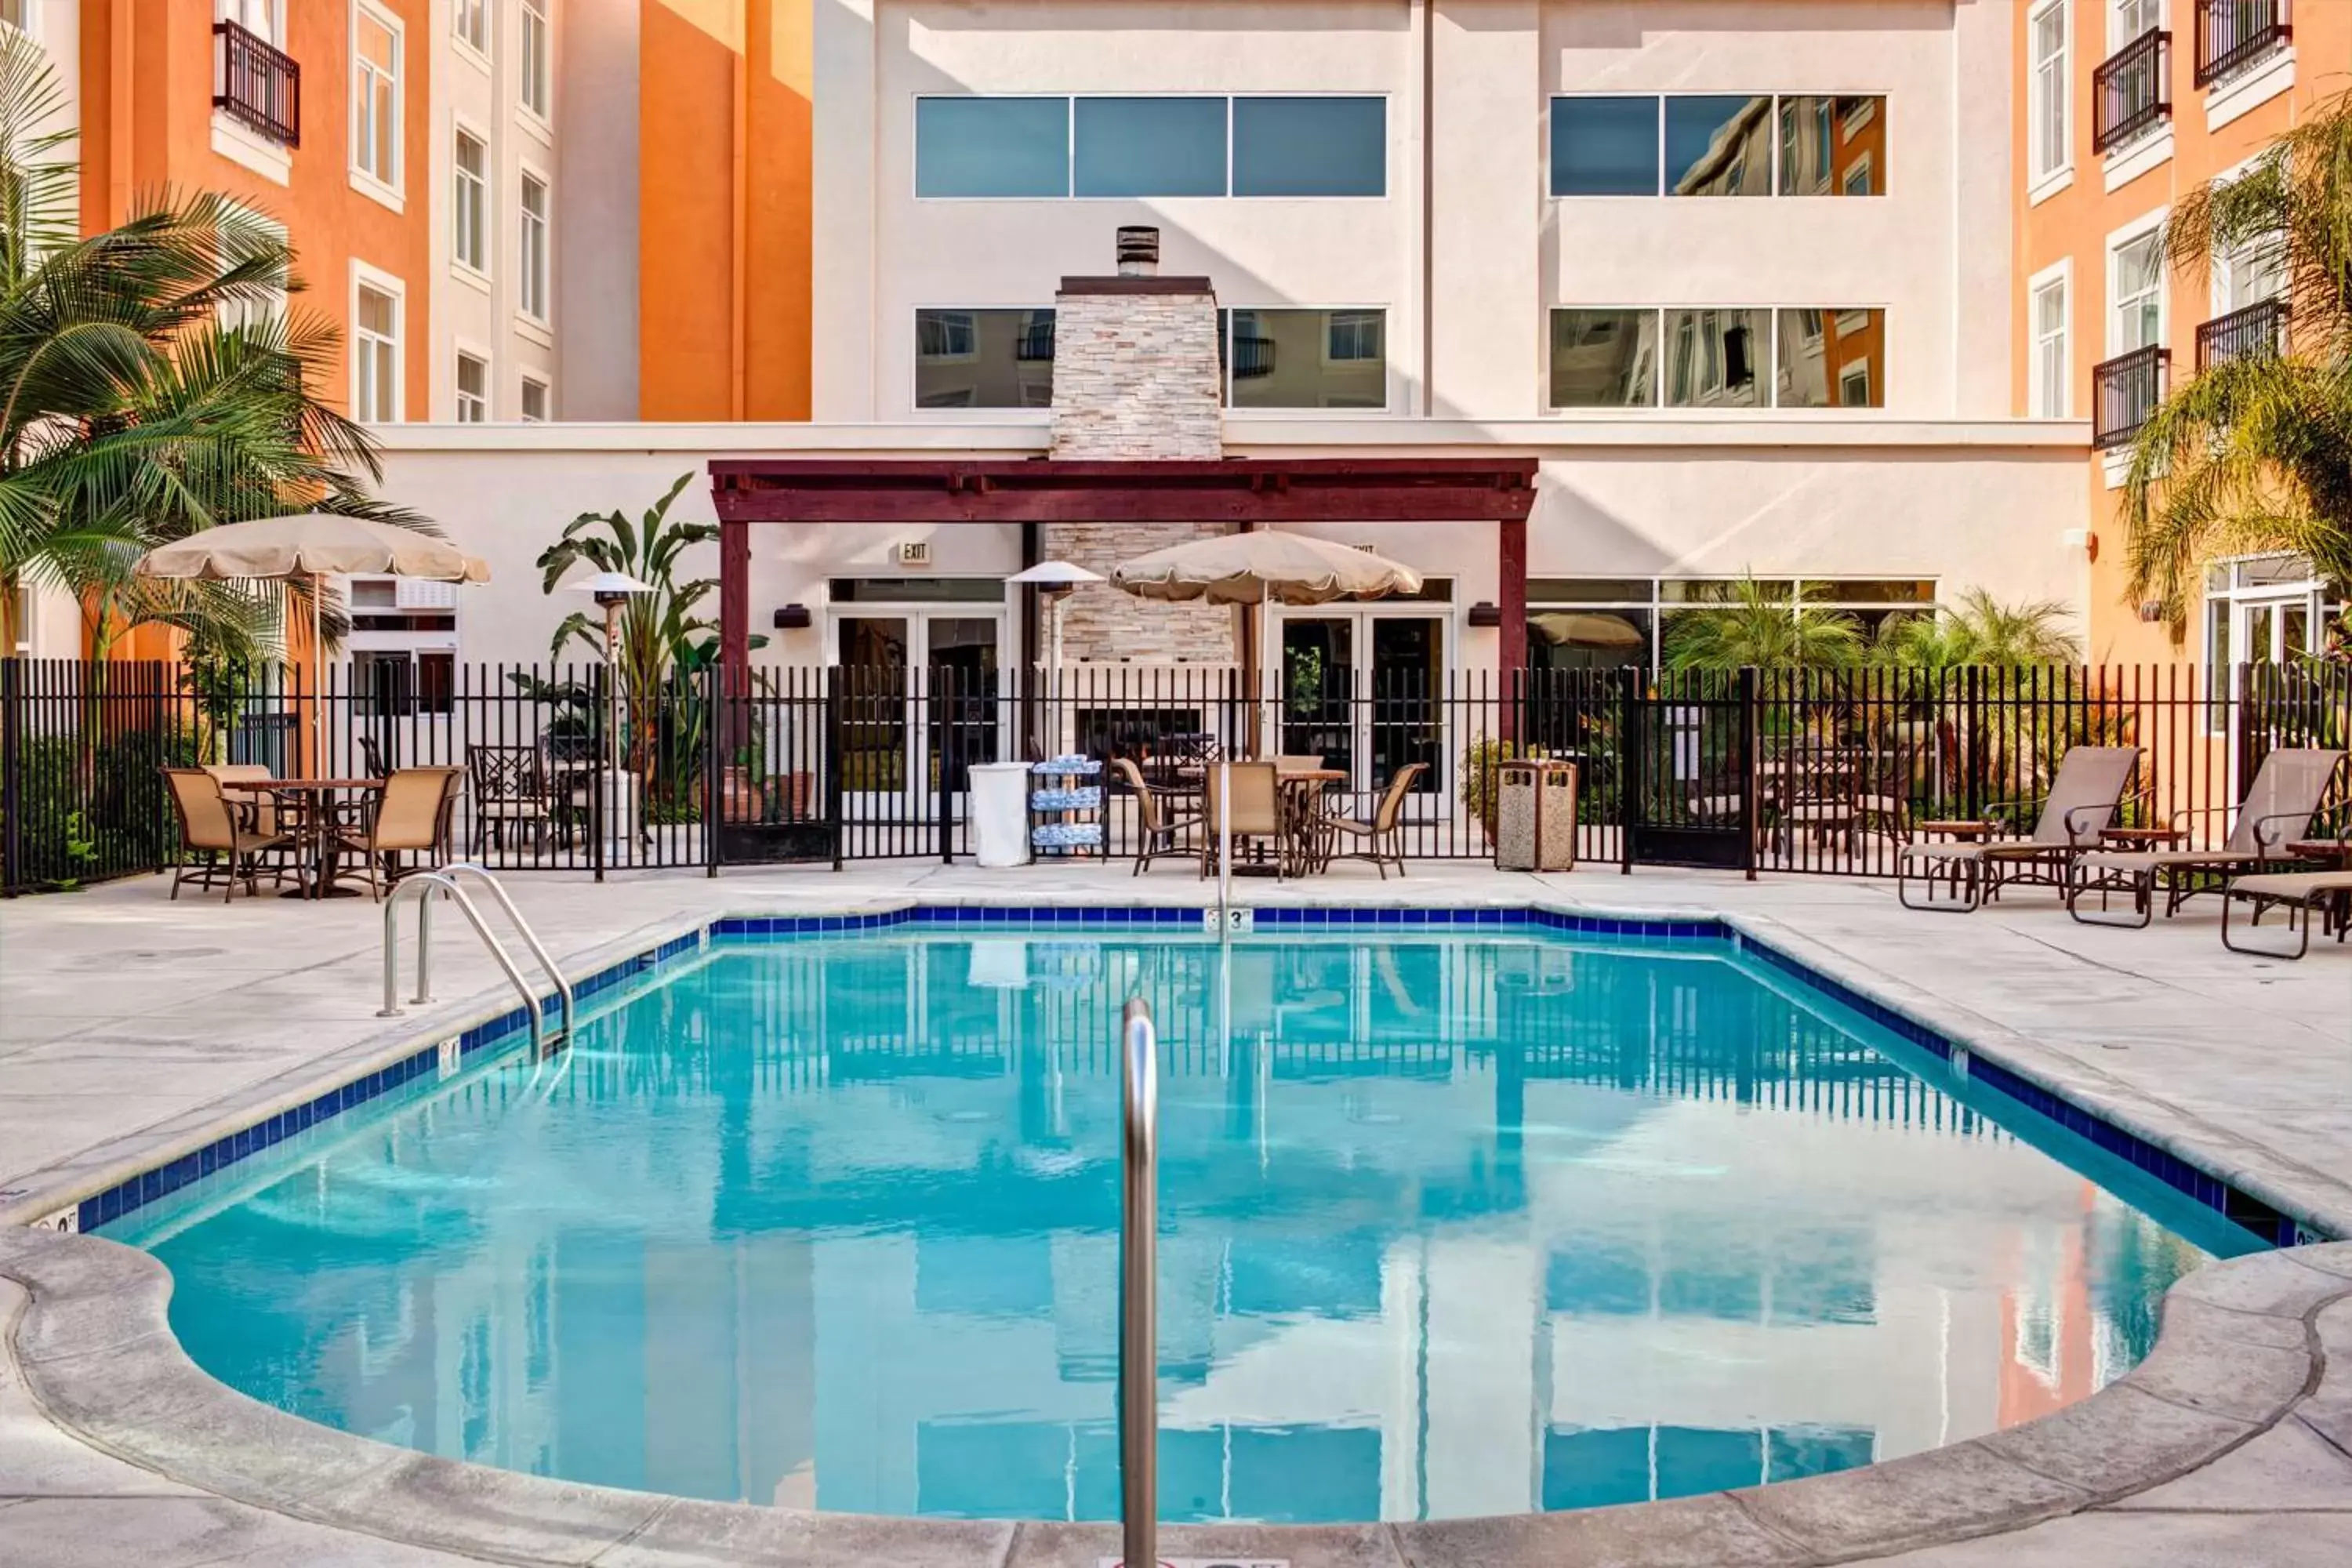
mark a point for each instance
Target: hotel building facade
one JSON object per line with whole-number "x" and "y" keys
{"x": 1763, "y": 288}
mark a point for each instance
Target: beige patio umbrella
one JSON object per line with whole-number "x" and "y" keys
{"x": 1586, "y": 628}
{"x": 310, "y": 546}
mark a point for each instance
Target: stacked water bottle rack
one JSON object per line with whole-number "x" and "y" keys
{"x": 1065, "y": 806}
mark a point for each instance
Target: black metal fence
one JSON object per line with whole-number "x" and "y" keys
{"x": 1808, "y": 772}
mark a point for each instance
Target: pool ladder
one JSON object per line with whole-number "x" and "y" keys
{"x": 444, "y": 880}
{"x": 1139, "y": 1280}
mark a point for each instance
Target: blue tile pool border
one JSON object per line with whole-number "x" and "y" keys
{"x": 2249, "y": 1212}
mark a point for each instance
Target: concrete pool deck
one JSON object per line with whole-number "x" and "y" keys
{"x": 130, "y": 1027}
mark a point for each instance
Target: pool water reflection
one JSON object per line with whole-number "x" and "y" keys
{"x": 1450, "y": 1226}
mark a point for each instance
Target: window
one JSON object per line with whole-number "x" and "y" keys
{"x": 534, "y": 56}
{"x": 1607, "y": 622}
{"x": 1147, "y": 147}
{"x": 263, "y": 18}
{"x": 2136, "y": 286}
{"x": 1715, "y": 357}
{"x": 2052, "y": 371}
{"x": 473, "y": 389}
{"x": 375, "y": 97}
{"x": 236, "y": 315}
{"x": 17, "y": 14}
{"x": 1832, "y": 147}
{"x": 2129, "y": 19}
{"x": 1604, "y": 358}
{"x": 992, "y": 147}
{"x": 1605, "y": 146}
{"x": 1718, "y": 146}
{"x": 532, "y": 259}
{"x": 471, "y": 19}
{"x": 535, "y": 401}
{"x": 469, "y": 201}
{"x": 983, "y": 359}
{"x": 2050, "y": 92}
{"x": 375, "y": 354}
{"x": 1830, "y": 358}
{"x": 1128, "y": 147}
{"x": 1310, "y": 147}
{"x": 1306, "y": 358}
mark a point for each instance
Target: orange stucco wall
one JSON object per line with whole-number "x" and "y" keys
{"x": 147, "y": 126}
{"x": 724, "y": 159}
{"x": 2076, "y": 221}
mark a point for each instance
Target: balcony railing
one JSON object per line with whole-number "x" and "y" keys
{"x": 2251, "y": 330}
{"x": 2132, "y": 90}
{"x": 2125, "y": 390}
{"x": 2235, "y": 33}
{"x": 1253, "y": 358}
{"x": 258, "y": 87}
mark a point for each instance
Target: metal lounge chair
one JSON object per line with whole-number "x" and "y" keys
{"x": 1382, "y": 837}
{"x": 2081, "y": 804}
{"x": 1256, "y": 809}
{"x": 2302, "y": 892}
{"x": 2278, "y": 807}
{"x": 1158, "y": 827}
{"x": 220, "y": 832}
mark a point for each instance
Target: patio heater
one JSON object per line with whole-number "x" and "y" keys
{"x": 613, "y": 590}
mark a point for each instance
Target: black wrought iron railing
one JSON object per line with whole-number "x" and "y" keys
{"x": 2247, "y": 333}
{"x": 2131, "y": 91}
{"x": 258, "y": 87}
{"x": 2233, "y": 34}
{"x": 2125, "y": 390}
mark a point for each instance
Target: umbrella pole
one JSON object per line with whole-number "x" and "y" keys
{"x": 318, "y": 680}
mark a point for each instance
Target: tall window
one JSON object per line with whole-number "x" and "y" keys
{"x": 2049, "y": 107}
{"x": 472, "y": 21}
{"x": 534, "y": 400}
{"x": 473, "y": 389}
{"x": 375, "y": 97}
{"x": 2052, "y": 373}
{"x": 469, "y": 202}
{"x": 259, "y": 17}
{"x": 375, "y": 355}
{"x": 2130, "y": 18}
{"x": 534, "y": 56}
{"x": 2135, "y": 285}
{"x": 532, "y": 260}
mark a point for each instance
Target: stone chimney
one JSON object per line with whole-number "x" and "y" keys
{"x": 1135, "y": 376}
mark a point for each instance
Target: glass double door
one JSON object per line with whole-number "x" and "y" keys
{"x": 1365, "y": 690}
{"x": 919, "y": 701}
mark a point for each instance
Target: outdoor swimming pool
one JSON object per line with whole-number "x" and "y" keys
{"x": 1453, "y": 1223}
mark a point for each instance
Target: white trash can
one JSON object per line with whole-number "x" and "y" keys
{"x": 999, "y": 803}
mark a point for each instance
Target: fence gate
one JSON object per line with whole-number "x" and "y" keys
{"x": 1689, "y": 792}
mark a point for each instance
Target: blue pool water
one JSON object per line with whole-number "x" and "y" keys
{"x": 1451, "y": 1225}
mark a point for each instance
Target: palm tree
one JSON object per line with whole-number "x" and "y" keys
{"x": 1744, "y": 625}
{"x": 1979, "y": 630}
{"x": 152, "y": 383}
{"x": 2255, "y": 454}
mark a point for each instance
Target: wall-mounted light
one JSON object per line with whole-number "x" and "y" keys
{"x": 1486, "y": 613}
{"x": 793, "y": 618}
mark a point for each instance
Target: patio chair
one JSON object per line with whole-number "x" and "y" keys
{"x": 1304, "y": 763}
{"x": 266, "y": 817}
{"x": 409, "y": 815}
{"x": 2081, "y": 804}
{"x": 2279, "y": 808}
{"x": 1158, "y": 824}
{"x": 1256, "y": 808}
{"x": 220, "y": 831}
{"x": 509, "y": 790}
{"x": 1382, "y": 837}
{"x": 2327, "y": 893}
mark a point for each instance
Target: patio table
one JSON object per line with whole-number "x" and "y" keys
{"x": 1306, "y": 844}
{"x": 310, "y": 802}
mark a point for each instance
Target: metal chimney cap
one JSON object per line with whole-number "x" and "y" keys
{"x": 1139, "y": 250}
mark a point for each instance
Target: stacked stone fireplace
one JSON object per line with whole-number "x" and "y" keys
{"x": 1136, "y": 376}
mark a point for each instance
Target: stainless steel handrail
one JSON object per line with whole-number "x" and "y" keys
{"x": 1139, "y": 1338}
{"x": 444, "y": 880}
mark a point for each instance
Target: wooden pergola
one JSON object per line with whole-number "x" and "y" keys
{"x": 1248, "y": 492}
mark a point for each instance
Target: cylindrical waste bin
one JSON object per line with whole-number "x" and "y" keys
{"x": 1535, "y": 814}
{"x": 999, "y": 813}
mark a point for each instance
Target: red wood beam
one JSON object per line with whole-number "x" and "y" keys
{"x": 735, "y": 604}
{"x": 1511, "y": 597}
{"x": 1125, "y": 503}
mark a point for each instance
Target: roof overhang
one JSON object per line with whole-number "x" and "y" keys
{"x": 1031, "y": 490}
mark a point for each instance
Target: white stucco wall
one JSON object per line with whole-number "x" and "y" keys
{"x": 1466, "y": 252}
{"x": 1969, "y": 505}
